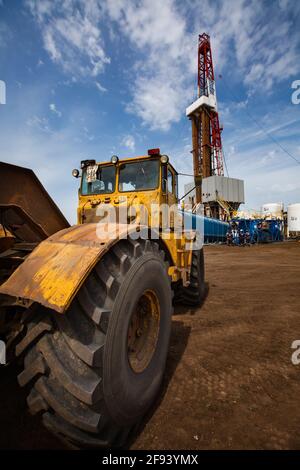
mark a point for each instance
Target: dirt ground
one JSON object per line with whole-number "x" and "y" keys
{"x": 230, "y": 382}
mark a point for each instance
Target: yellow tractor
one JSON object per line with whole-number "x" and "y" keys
{"x": 88, "y": 308}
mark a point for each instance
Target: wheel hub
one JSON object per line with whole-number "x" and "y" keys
{"x": 143, "y": 331}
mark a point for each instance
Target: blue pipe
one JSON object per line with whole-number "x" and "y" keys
{"x": 214, "y": 229}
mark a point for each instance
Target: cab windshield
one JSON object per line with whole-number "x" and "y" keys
{"x": 138, "y": 176}
{"x": 103, "y": 180}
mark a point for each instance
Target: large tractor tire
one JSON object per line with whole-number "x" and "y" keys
{"x": 94, "y": 371}
{"x": 194, "y": 294}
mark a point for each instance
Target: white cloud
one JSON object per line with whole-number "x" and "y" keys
{"x": 39, "y": 123}
{"x": 87, "y": 135}
{"x": 129, "y": 142}
{"x": 71, "y": 34}
{"x": 154, "y": 24}
{"x": 281, "y": 124}
{"x": 54, "y": 110}
{"x": 40, "y": 147}
{"x": 156, "y": 102}
{"x": 248, "y": 40}
{"x": 157, "y": 30}
{"x": 252, "y": 35}
{"x": 101, "y": 88}
{"x": 247, "y": 36}
{"x": 5, "y": 34}
{"x": 39, "y": 152}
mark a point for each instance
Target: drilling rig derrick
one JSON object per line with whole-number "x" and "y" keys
{"x": 203, "y": 113}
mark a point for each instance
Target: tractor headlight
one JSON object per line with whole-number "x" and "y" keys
{"x": 164, "y": 159}
{"x": 75, "y": 173}
{"x": 114, "y": 159}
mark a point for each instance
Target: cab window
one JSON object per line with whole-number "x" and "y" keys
{"x": 139, "y": 176}
{"x": 176, "y": 186}
{"x": 170, "y": 181}
{"x": 104, "y": 182}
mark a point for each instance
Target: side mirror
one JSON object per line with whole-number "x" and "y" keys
{"x": 75, "y": 173}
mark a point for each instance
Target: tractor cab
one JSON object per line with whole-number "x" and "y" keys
{"x": 143, "y": 180}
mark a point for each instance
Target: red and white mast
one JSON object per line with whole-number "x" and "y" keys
{"x": 206, "y": 130}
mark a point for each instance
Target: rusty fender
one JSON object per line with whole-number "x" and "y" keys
{"x": 53, "y": 273}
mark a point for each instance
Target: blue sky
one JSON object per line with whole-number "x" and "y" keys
{"x": 88, "y": 79}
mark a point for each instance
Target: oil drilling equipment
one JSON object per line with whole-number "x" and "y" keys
{"x": 220, "y": 195}
{"x": 87, "y": 309}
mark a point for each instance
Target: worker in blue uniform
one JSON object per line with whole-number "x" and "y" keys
{"x": 229, "y": 237}
{"x": 241, "y": 237}
{"x": 247, "y": 238}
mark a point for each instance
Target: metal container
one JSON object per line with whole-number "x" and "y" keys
{"x": 293, "y": 220}
{"x": 228, "y": 189}
{"x": 261, "y": 230}
{"x": 273, "y": 210}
